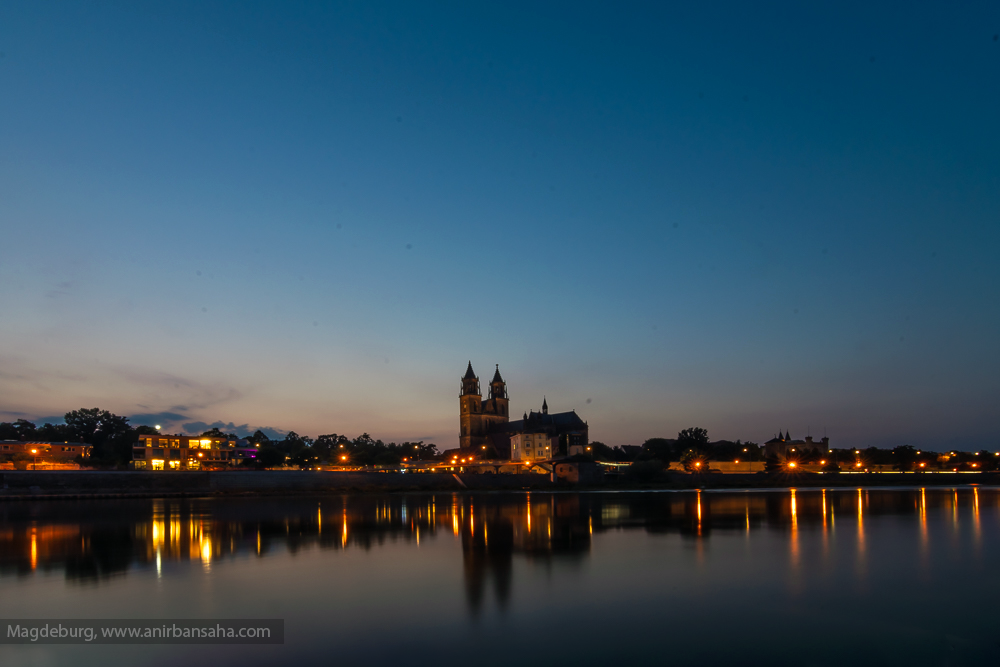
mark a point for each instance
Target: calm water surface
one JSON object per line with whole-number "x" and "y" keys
{"x": 874, "y": 577}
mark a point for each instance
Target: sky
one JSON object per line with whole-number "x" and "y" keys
{"x": 744, "y": 217}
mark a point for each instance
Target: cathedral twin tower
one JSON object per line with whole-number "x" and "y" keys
{"x": 480, "y": 419}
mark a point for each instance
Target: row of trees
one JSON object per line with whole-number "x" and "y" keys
{"x": 904, "y": 458}
{"x": 335, "y": 449}
{"x": 689, "y": 447}
{"x": 113, "y": 438}
{"x": 692, "y": 448}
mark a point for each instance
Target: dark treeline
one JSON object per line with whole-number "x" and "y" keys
{"x": 113, "y": 438}
{"x": 689, "y": 447}
{"x": 334, "y": 449}
{"x": 692, "y": 447}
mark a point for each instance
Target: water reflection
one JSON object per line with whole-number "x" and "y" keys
{"x": 93, "y": 541}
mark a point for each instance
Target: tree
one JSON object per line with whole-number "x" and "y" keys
{"x": 304, "y": 458}
{"x": 269, "y": 456}
{"x": 324, "y": 445}
{"x": 987, "y": 460}
{"x": 21, "y": 430}
{"x": 659, "y": 449}
{"x": 694, "y": 460}
{"x": 752, "y": 450}
{"x": 55, "y": 433}
{"x": 294, "y": 442}
{"x": 258, "y": 439}
{"x": 420, "y": 451}
{"x": 216, "y": 433}
{"x": 602, "y": 452}
{"x": 692, "y": 437}
{"x": 110, "y": 434}
{"x": 903, "y": 457}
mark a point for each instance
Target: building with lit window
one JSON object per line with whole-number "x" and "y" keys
{"x": 539, "y": 436}
{"x": 49, "y": 451}
{"x": 485, "y": 425}
{"x": 532, "y": 446}
{"x": 181, "y": 452}
{"x": 783, "y": 446}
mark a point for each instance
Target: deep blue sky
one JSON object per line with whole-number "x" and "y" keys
{"x": 741, "y": 216}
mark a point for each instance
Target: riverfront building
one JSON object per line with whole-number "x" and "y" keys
{"x": 782, "y": 446}
{"x": 47, "y": 451}
{"x": 181, "y": 452}
{"x": 538, "y": 436}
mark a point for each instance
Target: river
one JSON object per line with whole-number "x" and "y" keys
{"x": 785, "y": 577}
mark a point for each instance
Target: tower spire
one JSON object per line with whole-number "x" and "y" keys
{"x": 545, "y": 406}
{"x": 498, "y": 388}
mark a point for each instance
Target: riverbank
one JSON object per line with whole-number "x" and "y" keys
{"x": 38, "y": 485}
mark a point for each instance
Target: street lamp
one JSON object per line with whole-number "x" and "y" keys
{"x": 34, "y": 452}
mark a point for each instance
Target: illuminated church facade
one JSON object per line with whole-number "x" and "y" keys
{"x": 485, "y": 424}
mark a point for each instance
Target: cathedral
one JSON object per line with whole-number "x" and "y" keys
{"x": 485, "y": 424}
{"x": 482, "y": 418}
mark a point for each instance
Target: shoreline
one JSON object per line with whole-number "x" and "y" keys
{"x": 108, "y": 485}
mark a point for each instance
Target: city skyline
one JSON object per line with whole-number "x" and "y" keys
{"x": 309, "y": 218}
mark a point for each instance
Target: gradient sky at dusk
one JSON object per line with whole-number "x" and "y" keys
{"x": 741, "y": 216}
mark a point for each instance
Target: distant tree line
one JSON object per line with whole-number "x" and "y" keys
{"x": 692, "y": 447}
{"x": 335, "y": 449}
{"x": 112, "y": 439}
{"x": 111, "y": 436}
